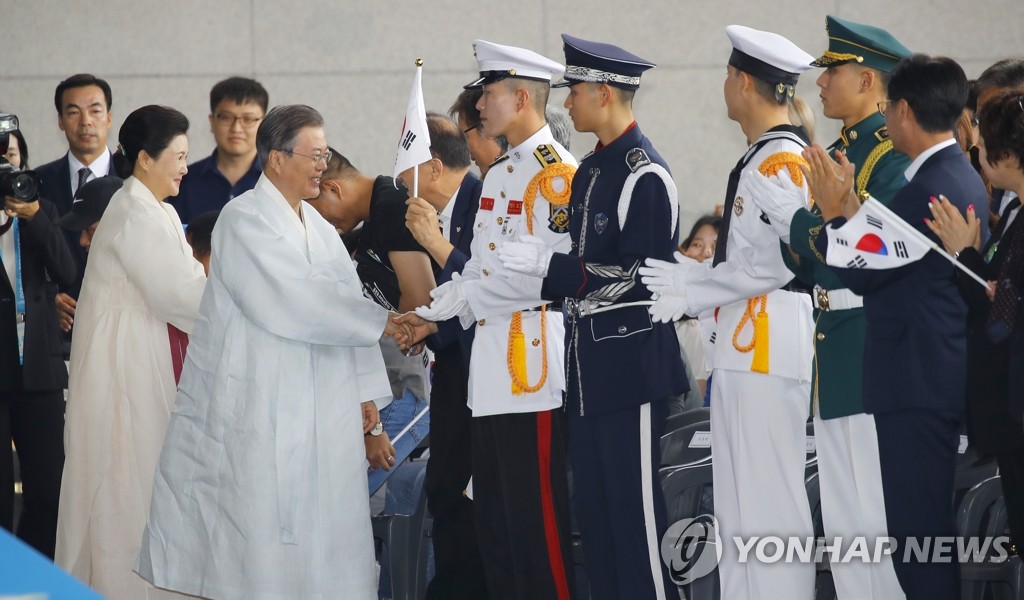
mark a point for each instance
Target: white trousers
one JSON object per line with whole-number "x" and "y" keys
{"x": 759, "y": 445}
{"x": 852, "y": 504}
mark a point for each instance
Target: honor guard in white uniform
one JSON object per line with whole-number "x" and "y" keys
{"x": 516, "y": 376}
{"x": 762, "y": 347}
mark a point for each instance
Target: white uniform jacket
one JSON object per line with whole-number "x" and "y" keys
{"x": 494, "y": 292}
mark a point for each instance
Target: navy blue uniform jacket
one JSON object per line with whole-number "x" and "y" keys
{"x": 621, "y": 357}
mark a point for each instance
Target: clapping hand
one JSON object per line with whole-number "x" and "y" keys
{"x": 831, "y": 182}
{"x": 950, "y": 226}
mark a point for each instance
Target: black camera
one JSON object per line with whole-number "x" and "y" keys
{"x": 23, "y": 185}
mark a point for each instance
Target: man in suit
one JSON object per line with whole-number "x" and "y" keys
{"x": 83, "y": 103}
{"x": 441, "y": 220}
{"x": 915, "y": 349}
{"x": 858, "y": 62}
{"x": 35, "y": 258}
{"x": 620, "y": 368}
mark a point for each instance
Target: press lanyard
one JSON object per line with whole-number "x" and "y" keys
{"x": 19, "y": 292}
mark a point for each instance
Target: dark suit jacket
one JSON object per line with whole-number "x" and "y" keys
{"x": 45, "y": 263}
{"x": 56, "y": 178}
{"x": 915, "y": 350}
{"x": 467, "y": 200}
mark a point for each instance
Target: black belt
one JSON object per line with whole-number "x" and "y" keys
{"x": 552, "y": 306}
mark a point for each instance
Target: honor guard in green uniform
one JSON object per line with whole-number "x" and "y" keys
{"x": 857, "y": 65}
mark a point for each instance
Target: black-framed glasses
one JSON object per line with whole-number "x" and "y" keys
{"x": 229, "y": 120}
{"x": 883, "y": 106}
{"x": 471, "y": 128}
{"x": 316, "y": 158}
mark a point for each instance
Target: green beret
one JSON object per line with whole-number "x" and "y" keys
{"x": 854, "y": 42}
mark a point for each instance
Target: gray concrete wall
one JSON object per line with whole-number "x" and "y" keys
{"x": 354, "y": 60}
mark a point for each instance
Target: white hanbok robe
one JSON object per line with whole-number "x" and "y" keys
{"x": 260, "y": 492}
{"x": 140, "y": 276}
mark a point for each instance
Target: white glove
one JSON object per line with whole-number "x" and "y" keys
{"x": 449, "y": 300}
{"x": 668, "y": 308}
{"x": 529, "y": 256}
{"x": 663, "y": 277}
{"x": 778, "y": 198}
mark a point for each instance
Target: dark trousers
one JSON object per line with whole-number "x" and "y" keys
{"x": 458, "y": 572}
{"x": 521, "y": 502}
{"x": 616, "y": 501}
{"x": 1011, "y": 475}
{"x": 35, "y": 421}
{"x": 917, "y": 450}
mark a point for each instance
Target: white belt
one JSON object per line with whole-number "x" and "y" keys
{"x": 828, "y": 300}
{"x": 585, "y": 308}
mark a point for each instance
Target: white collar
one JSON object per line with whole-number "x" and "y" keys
{"x": 525, "y": 150}
{"x": 921, "y": 158}
{"x": 267, "y": 187}
{"x": 449, "y": 208}
{"x": 99, "y": 167}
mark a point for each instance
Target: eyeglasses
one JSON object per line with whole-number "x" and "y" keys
{"x": 473, "y": 128}
{"x": 229, "y": 120}
{"x": 316, "y": 158}
{"x": 883, "y": 106}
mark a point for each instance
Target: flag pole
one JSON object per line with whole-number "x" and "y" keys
{"x": 898, "y": 222}
{"x": 416, "y": 169}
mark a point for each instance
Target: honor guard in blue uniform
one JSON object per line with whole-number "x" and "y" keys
{"x": 857, "y": 64}
{"x": 620, "y": 365}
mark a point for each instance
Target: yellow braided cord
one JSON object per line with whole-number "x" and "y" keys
{"x": 759, "y": 338}
{"x": 869, "y": 166}
{"x": 833, "y": 57}
{"x": 774, "y": 163}
{"x": 543, "y": 182}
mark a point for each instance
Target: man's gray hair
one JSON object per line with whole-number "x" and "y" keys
{"x": 281, "y": 126}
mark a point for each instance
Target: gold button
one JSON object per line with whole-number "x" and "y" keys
{"x": 853, "y": 135}
{"x": 500, "y": 220}
{"x": 486, "y": 272}
{"x": 491, "y": 246}
{"x": 510, "y": 169}
{"x": 820, "y": 336}
{"x": 536, "y": 342}
{"x": 502, "y": 193}
{"x": 481, "y": 322}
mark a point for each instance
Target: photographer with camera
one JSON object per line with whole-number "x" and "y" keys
{"x": 35, "y": 259}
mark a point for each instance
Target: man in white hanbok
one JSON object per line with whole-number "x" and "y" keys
{"x": 260, "y": 492}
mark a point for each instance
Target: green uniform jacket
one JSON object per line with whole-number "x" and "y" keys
{"x": 836, "y": 389}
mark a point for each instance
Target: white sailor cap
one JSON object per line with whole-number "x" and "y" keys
{"x": 497, "y": 62}
{"x": 767, "y": 56}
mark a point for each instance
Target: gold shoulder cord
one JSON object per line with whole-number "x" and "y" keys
{"x": 869, "y": 165}
{"x": 543, "y": 181}
{"x": 757, "y": 307}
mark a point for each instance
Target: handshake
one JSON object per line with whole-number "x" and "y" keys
{"x": 409, "y": 330}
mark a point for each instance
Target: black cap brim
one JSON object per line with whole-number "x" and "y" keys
{"x": 76, "y": 221}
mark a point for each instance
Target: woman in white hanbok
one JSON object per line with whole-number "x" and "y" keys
{"x": 139, "y": 299}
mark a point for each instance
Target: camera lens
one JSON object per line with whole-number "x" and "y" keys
{"x": 24, "y": 187}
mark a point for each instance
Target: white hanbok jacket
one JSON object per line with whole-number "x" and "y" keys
{"x": 260, "y": 491}
{"x": 140, "y": 276}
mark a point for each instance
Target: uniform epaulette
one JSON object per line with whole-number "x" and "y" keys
{"x": 883, "y": 148}
{"x": 547, "y": 155}
{"x": 501, "y": 158}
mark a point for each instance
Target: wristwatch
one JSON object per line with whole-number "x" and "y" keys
{"x": 377, "y": 430}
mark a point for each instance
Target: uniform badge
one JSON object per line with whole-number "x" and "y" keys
{"x": 882, "y": 134}
{"x": 515, "y": 207}
{"x": 637, "y": 158}
{"x": 600, "y": 223}
{"x": 737, "y": 205}
{"x": 853, "y": 135}
{"x": 487, "y": 204}
{"x": 559, "y": 219}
